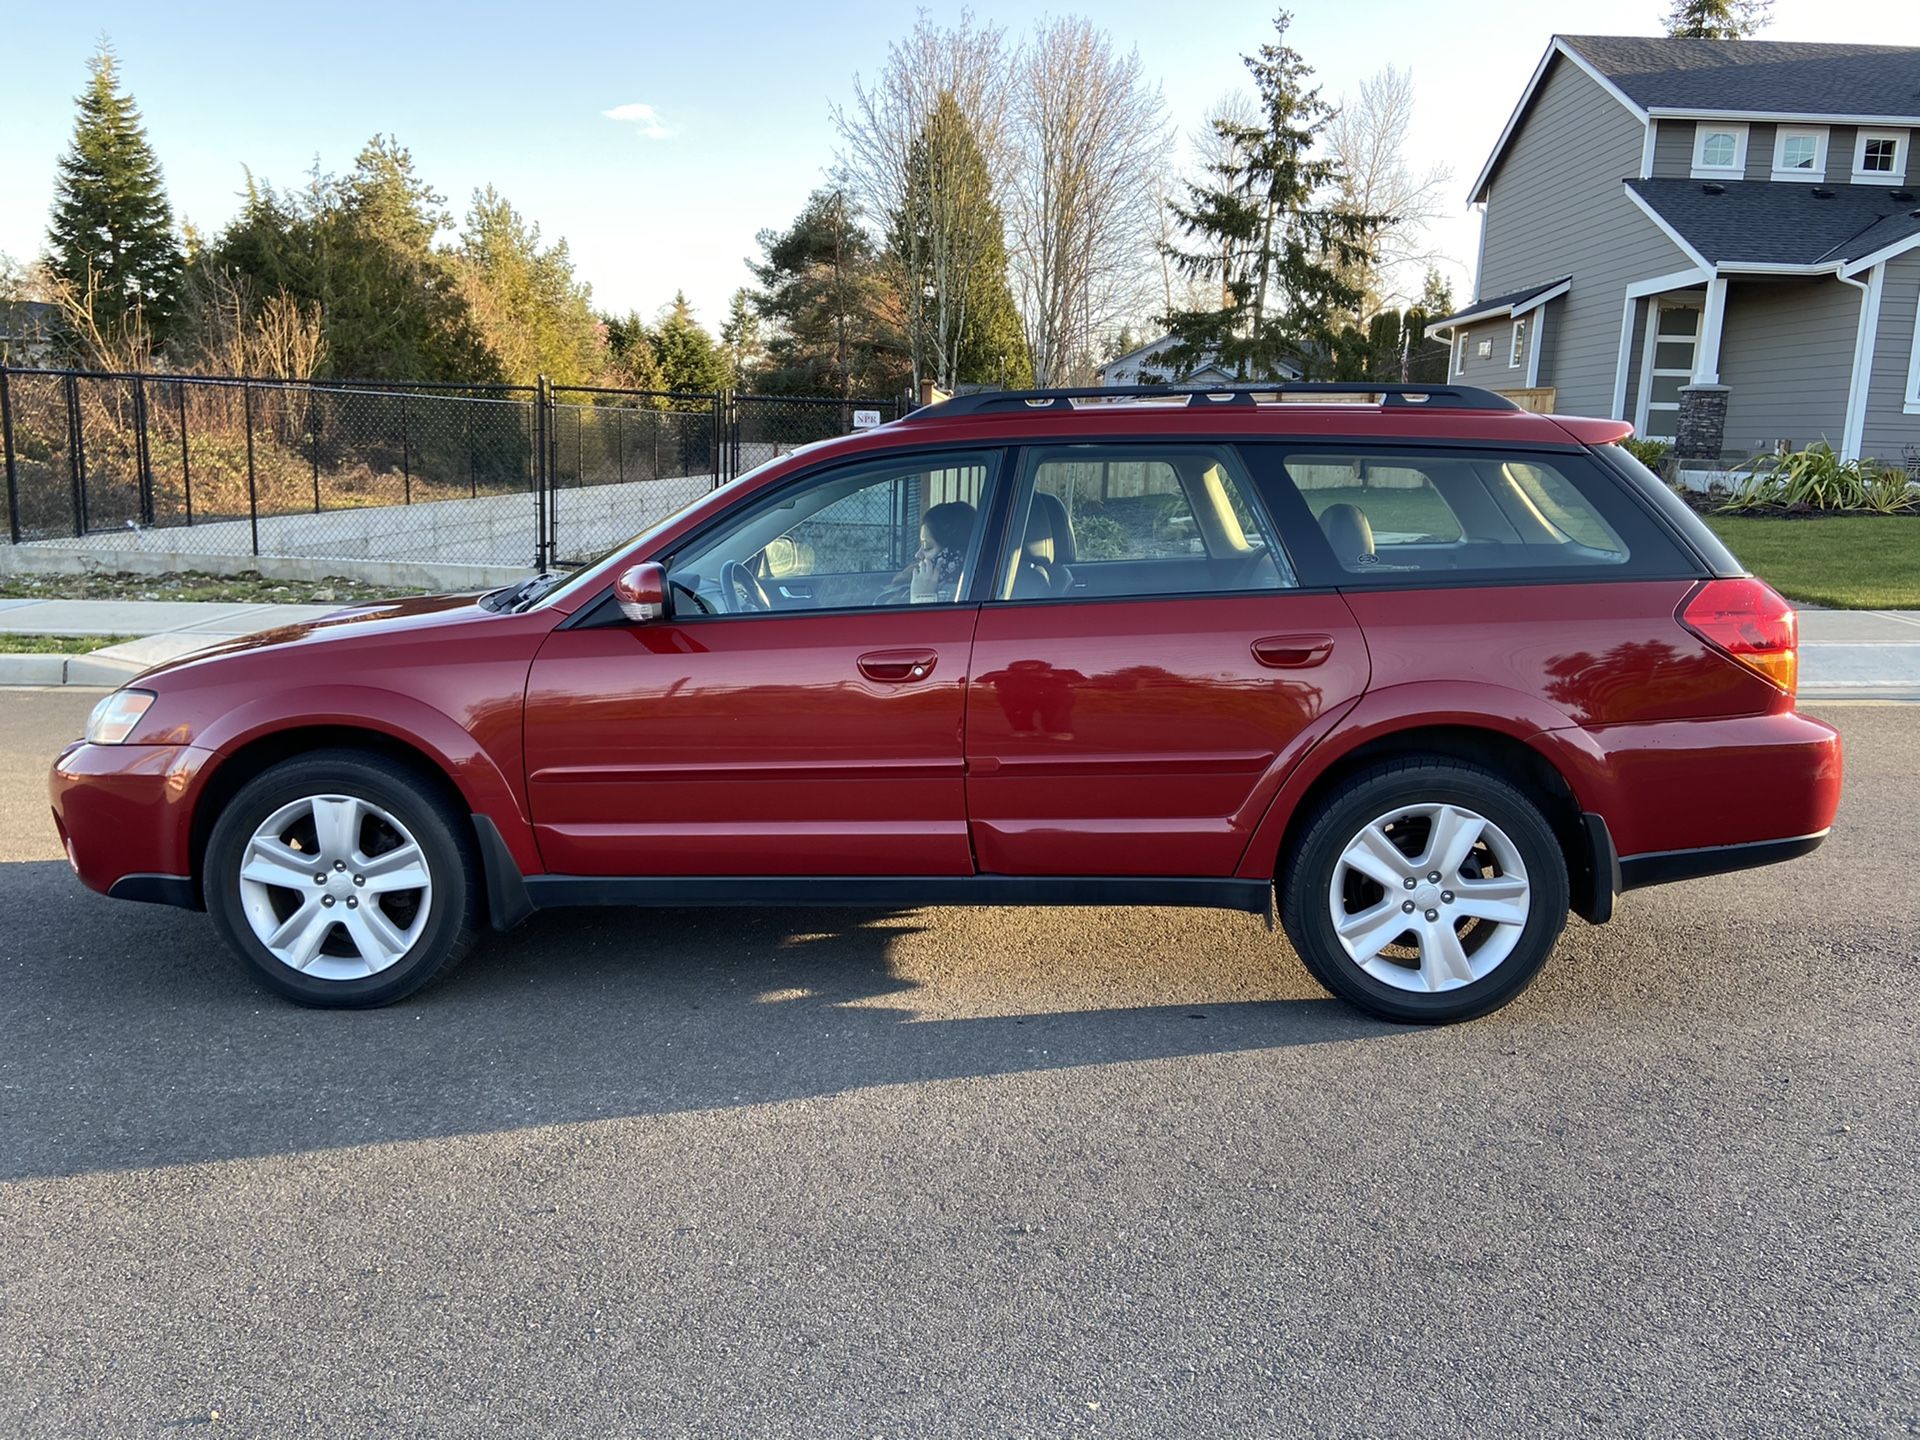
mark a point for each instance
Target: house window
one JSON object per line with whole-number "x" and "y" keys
{"x": 1800, "y": 153}
{"x": 1879, "y": 157}
{"x": 1460, "y": 353}
{"x": 1517, "y": 351}
{"x": 1912, "y": 406}
{"x": 1719, "y": 151}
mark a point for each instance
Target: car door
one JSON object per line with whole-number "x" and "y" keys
{"x": 798, "y": 711}
{"x": 1147, "y": 668}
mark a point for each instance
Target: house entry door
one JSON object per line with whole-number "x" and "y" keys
{"x": 1673, "y": 340}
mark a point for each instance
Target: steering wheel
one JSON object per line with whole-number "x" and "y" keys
{"x": 742, "y": 590}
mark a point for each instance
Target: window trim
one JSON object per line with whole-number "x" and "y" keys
{"x": 1702, "y": 130}
{"x": 1912, "y": 402}
{"x": 1011, "y": 518}
{"x": 1460, "y": 354}
{"x": 1517, "y": 343}
{"x": 1819, "y": 134}
{"x": 1902, "y": 140}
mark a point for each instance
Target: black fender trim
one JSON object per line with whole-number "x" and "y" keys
{"x": 508, "y": 903}
{"x": 157, "y": 890}
{"x": 1594, "y": 876}
{"x": 1661, "y": 867}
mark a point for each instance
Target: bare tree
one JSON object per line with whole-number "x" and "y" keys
{"x": 1090, "y": 140}
{"x": 926, "y": 155}
{"x": 1368, "y": 140}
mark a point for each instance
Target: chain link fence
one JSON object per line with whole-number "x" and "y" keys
{"x": 488, "y": 475}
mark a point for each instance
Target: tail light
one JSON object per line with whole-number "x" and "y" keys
{"x": 1748, "y": 621}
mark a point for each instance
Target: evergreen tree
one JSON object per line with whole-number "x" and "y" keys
{"x": 740, "y": 337}
{"x": 831, "y": 311}
{"x": 631, "y": 361}
{"x": 531, "y": 312}
{"x": 111, "y": 235}
{"x": 949, "y": 244}
{"x": 1717, "y": 19}
{"x": 1277, "y": 255}
{"x": 685, "y": 352}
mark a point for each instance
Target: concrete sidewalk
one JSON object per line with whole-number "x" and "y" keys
{"x": 1844, "y": 654}
{"x": 162, "y": 630}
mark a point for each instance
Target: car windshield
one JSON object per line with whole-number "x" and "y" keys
{"x": 599, "y": 570}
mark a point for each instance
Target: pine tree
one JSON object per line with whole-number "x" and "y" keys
{"x": 1277, "y": 255}
{"x": 688, "y": 358}
{"x": 831, "y": 309}
{"x": 1717, "y": 19}
{"x": 531, "y": 312}
{"x": 740, "y": 337}
{"x": 111, "y": 235}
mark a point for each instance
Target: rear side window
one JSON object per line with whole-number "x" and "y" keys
{"x": 1404, "y": 515}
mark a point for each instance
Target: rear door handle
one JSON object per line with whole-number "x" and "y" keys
{"x": 1292, "y": 652}
{"x": 897, "y": 667}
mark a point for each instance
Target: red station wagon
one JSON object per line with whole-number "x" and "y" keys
{"x": 1423, "y": 672}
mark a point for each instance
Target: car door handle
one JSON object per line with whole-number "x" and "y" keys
{"x": 897, "y": 667}
{"x": 1292, "y": 652}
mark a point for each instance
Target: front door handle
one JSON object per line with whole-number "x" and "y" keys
{"x": 1292, "y": 652}
{"x": 897, "y": 667}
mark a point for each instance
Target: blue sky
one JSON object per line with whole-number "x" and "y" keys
{"x": 735, "y": 122}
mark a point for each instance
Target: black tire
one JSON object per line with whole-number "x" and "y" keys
{"x": 1310, "y": 869}
{"x": 444, "y": 839}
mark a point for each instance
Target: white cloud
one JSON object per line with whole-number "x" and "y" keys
{"x": 643, "y": 118}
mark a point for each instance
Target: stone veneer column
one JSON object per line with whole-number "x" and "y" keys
{"x": 1702, "y": 432}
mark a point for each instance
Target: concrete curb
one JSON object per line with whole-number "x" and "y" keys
{"x": 43, "y": 670}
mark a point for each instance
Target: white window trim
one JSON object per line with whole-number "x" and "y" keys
{"x": 1896, "y": 176}
{"x": 1912, "y": 406}
{"x": 1702, "y": 170}
{"x": 1517, "y": 344}
{"x": 1460, "y": 354}
{"x": 1818, "y": 133}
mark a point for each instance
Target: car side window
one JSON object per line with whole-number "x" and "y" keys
{"x": 1401, "y": 515}
{"x": 1092, "y": 521}
{"x": 894, "y": 532}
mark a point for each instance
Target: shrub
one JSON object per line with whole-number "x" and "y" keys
{"x": 1817, "y": 479}
{"x": 1650, "y": 453}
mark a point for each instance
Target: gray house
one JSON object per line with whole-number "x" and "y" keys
{"x": 1146, "y": 366}
{"x": 1716, "y": 239}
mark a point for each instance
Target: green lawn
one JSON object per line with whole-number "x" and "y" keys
{"x": 1847, "y": 562}
{"x": 57, "y": 644}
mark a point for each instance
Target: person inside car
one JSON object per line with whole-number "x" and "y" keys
{"x": 945, "y": 533}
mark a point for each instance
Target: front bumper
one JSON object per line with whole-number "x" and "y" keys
{"x": 124, "y": 813}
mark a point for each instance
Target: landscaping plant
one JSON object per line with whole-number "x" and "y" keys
{"x": 1817, "y": 479}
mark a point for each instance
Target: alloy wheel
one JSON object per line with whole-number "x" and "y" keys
{"x": 335, "y": 887}
{"x": 1429, "y": 897}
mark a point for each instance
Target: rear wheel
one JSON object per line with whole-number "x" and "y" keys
{"x": 1426, "y": 891}
{"x": 342, "y": 880}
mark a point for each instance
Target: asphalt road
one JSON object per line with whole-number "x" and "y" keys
{"x": 998, "y": 1173}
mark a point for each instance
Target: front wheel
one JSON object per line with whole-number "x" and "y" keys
{"x": 1426, "y": 891}
{"x": 341, "y": 879}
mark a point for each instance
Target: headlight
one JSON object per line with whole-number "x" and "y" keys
{"x": 113, "y": 718}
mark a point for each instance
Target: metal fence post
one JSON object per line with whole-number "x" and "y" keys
{"x": 473, "y": 477}
{"x": 253, "y": 500}
{"x": 313, "y": 425}
{"x": 76, "y": 457}
{"x": 406, "y": 456}
{"x": 142, "y": 449}
{"x": 186, "y": 463}
{"x": 6, "y": 443}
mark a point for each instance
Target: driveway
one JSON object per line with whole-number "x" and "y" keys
{"x": 951, "y": 1173}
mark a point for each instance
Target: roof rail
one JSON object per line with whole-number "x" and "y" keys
{"x": 1431, "y": 397}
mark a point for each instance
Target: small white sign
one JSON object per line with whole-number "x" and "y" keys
{"x": 865, "y": 419}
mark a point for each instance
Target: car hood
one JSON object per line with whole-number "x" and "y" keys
{"x": 375, "y": 620}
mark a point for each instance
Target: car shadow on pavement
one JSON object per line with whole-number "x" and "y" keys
{"x": 129, "y": 1039}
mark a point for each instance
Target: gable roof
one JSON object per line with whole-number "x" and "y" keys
{"x": 1759, "y": 79}
{"x": 1495, "y": 307}
{"x": 1756, "y": 222}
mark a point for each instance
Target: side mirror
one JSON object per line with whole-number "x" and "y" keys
{"x": 641, "y": 591}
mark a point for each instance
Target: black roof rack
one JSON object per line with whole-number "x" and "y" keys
{"x": 1429, "y": 397}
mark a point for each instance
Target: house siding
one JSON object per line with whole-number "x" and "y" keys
{"x": 1889, "y": 430}
{"x": 1556, "y": 206}
{"x": 1673, "y": 148}
{"x": 1494, "y": 372}
{"x": 1786, "y": 354}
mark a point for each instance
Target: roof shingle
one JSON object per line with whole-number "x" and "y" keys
{"x": 1761, "y": 76}
{"x": 1759, "y": 222}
